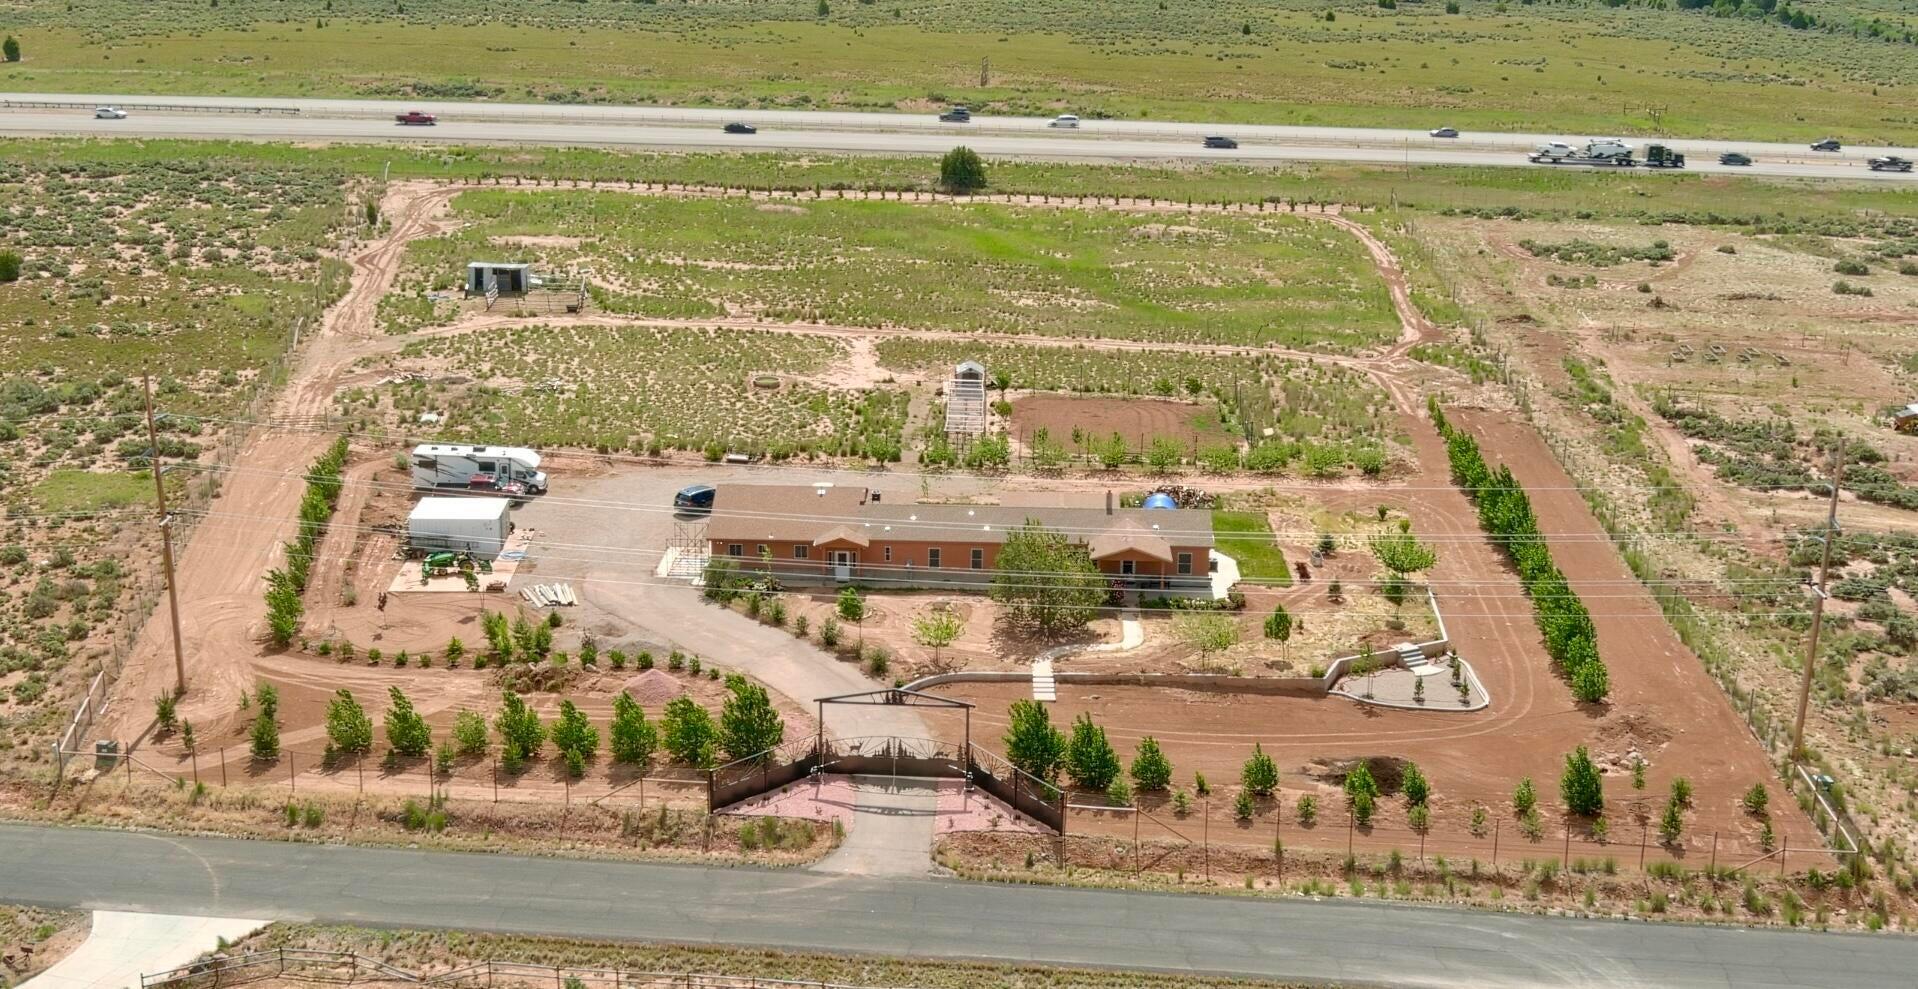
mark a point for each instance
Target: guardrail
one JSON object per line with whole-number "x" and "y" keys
{"x": 284, "y": 111}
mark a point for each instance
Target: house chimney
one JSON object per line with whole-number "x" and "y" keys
{"x": 1108, "y": 501}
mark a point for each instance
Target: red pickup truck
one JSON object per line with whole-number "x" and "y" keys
{"x": 415, "y": 117}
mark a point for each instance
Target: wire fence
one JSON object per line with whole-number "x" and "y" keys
{"x": 346, "y": 968}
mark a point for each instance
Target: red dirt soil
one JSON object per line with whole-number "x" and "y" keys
{"x": 1139, "y": 420}
{"x": 1664, "y": 706}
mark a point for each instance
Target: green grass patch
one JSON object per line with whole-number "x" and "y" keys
{"x": 986, "y": 268}
{"x": 92, "y": 491}
{"x": 1247, "y": 538}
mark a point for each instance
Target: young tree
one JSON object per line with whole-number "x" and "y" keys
{"x": 1756, "y": 799}
{"x": 10, "y": 264}
{"x": 573, "y": 735}
{"x": 1278, "y": 624}
{"x": 166, "y": 712}
{"x": 937, "y": 629}
{"x": 1259, "y": 775}
{"x": 634, "y": 738}
{"x": 1206, "y": 631}
{"x": 852, "y": 605}
{"x": 1047, "y": 581}
{"x": 1032, "y": 744}
{"x": 1671, "y": 825}
{"x": 1090, "y": 760}
{"x": 1413, "y": 784}
{"x": 1524, "y": 796}
{"x": 688, "y": 733}
{"x": 1360, "y": 783}
{"x": 1400, "y": 553}
{"x": 748, "y": 724}
{"x": 962, "y": 170}
{"x": 347, "y": 727}
{"x": 264, "y": 739}
{"x": 520, "y": 733}
{"x": 284, "y": 608}
{"x": 1151, "y": 770}
{"x": 406, "y": 731}
{"x": 10, "y": 48}
{"x": 1580, "y": 785}
{"x": 469, "y": 733}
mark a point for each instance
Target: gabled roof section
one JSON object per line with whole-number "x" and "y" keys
{"x": 1128, "y": 536}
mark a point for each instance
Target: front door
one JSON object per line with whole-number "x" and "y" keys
{"x": 841, "y": 565}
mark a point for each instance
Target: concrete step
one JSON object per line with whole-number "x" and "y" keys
{"x": 1044, "y": 686}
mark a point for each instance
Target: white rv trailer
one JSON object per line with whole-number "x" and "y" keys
{"x": 447, "y": 465}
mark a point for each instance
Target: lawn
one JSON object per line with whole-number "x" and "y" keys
{"x": 986, "y": 268}
{"x": 1247, "y": 538}
{"x": 92, "y": 491}
{"x": 1573, "y": 68}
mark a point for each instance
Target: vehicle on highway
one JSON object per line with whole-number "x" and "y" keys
{"x": 1064, "y": 120}
{"x": 1734, "y": 158}
{"x": 696, "y": 499}
{"x": 1660, "y": 156}
{"x": 1445, "y": 132}
{"x": 1890, "y": 163}
{"x": 1600, "y": 151}
{"x": 957, "y": 115}
{"x": 1828, "y": 144}
{"x": 109, "y": 113}
{"x": 738, "y": 128}
{"x": 417, "y": 118}
{"x": 1220, "y": 141}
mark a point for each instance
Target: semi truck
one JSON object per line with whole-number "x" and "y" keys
{"x": 1660, "y": 156}
{"x": 447, "y": 465}
{"x": 1889, "y": 163}
{"x": 1602, "y": 151}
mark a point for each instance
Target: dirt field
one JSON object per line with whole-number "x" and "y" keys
{"x": 1140, "y": 421}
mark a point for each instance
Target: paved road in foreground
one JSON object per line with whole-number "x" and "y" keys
{"x": 677, "y": 128}
{"x": 1333, "y": 941}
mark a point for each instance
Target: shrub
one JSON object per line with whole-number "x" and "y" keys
{"x": 1259, "y": 775}
{"x": 1682, "y": 790}
{"x": 633, "y": 737}
{"x": 574, "y": 736}
{"x": 1413, "y": 783}
{"x": 687, "y": 732}
{"x": 469, "y": 733}
{"x": 962, "y": 170}
{"x": 348, "y": 729}
{"x": 1151, "y": 770}
{"x": 1524, "y": 796}
{"x": 645, "y": 661}
{"x": 1580, "y": 785}
{"x": 406, "y": 731}
{"x": 1308, "y": 809}
{"x": 1242, "y": 805}
{"x": 1756, "y": 799}
{"x": 748, "y": 723}
{"x": 520, "y": 732}
{"x": 1851, "y": 267}
{"x": 166, "y": 712}
{"x": 1032, "y": 744}
{"x": 1089, "y": 758}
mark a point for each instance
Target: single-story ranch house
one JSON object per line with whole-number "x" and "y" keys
{"x": 844, "y": 534}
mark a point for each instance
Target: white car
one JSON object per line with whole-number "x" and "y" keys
{"x": 109, "y": 113}
{"x": 1064, "y": 120}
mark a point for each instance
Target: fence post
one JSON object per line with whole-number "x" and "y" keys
{"x": 489, "y": 973}
{"x": 1135, "y": 839}
{"x": 292, "y": 784}
{"x": 1348, "y": 831}
{"x": 1711, "y": 872}
{"x": 1784, "y": 851}
{"x": 1565, "y": 857}
{"x": 1644, "y": 831}
{"x": 222, "y": 767}
{"x": 1496, "y": 827}
{"x": 1205, "y": 837}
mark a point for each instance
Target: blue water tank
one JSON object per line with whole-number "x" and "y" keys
{"x": 1160, "y": 499}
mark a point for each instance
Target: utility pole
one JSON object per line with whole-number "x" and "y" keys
{"x": 1819, "y": 594}
{"x": 166, "y": 538}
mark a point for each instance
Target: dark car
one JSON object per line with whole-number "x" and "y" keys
{"x": 1890, "y": 163}
{"x": 957, "y": 115}
{"x": 1828, "y": 144}
{"x": 1734, "y": 158}
{"x": 739, "y": 128}
{"x": 1217, "y": 141}
{"x": 696, "y": 499}
{"x": 417, "y": 118}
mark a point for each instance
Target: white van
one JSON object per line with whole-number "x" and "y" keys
{"x": 1064, "y": 120}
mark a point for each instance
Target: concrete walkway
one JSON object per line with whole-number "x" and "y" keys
{"x": 124, "y": 946}
{"x": 891, "y": 829}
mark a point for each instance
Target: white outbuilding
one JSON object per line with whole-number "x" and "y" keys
{"x": 461, "y": 525}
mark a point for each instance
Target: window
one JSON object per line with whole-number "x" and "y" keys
{"x": 762, "y": 550}
{"x": 801, "y": 551}
{"x": 734, "y": 549}
{"x": 1128, "y": 568}
{"x": 932, "y": 557}
{"x": 888, "y": 552}
{"x": 978, "y": 558}
{"x": 1185, "y": 563}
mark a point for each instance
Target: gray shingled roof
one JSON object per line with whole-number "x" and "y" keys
{"x": 784, "y": 512}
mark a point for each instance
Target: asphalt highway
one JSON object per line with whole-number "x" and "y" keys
{"x": 1352, "y": 942}
{"x": 673, "y": 128}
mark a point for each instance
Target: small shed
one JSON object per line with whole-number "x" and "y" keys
{"x": 1905, "y": 420}
{"x": 461, "y": 525}
{"x": 504, "y": 277}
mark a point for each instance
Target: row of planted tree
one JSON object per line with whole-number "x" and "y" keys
{"x": 1505, "y": 513}
{"x": 284, "y": 586}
